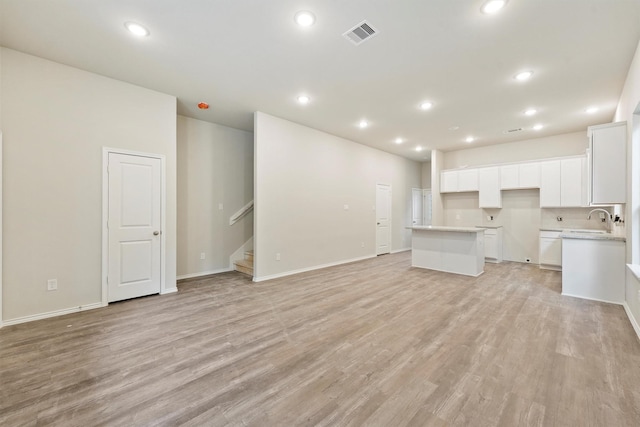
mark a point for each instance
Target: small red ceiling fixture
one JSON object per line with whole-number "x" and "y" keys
{"x": 203, "y": 106}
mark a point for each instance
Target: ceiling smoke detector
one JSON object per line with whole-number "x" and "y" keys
{"x": 361, "y": 32}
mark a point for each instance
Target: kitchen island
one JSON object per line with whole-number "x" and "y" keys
{"x": 458, "y": 250}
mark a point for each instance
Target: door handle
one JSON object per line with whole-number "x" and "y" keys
{"x": 155, "y": 233}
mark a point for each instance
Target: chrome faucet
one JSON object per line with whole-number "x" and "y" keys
{"x": 608, "y": 216}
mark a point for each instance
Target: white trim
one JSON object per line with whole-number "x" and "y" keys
{"x": 390, "y": 217}
{"x": 317, "y": 267}
{"x": 395, "y": 251}
{"x": 592, "y": 299}
{"x": 105, "y": 215}
{"x": 55, "y": 313}
{"x": 632, "y": 319}
{"x": 204, "y": 273}
{"x": 1, "y": 229}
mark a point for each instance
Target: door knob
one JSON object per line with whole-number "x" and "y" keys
{"x": 155, "y": 233}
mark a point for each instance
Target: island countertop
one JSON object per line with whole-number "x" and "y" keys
{"x": 446, "y": 228}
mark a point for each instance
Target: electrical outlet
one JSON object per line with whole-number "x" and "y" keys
{"x": 52, "y": 284}
{"x": 202, "y": 255}
{"x": 346, "y": 207}
{"x": 278, "y": 256}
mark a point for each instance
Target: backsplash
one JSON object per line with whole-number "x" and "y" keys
{"x": 571, "y": 218}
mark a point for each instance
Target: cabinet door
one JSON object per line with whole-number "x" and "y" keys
{"x": 509, "y": 177}
{"x": 490, "y": 246}
{"x": 550, "y": 184}
{"x": 489, "y": 188}
{"x": 449, "y": 181}
{"x": 529, "y": 175}
{"x": 608, "y": 164}
{"x": 571, "y": 183}
{"x": 468, "y": 180}
{"x": 551, "y": 251}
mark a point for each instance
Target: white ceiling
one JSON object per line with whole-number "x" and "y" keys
{"x": 241, "y": 56}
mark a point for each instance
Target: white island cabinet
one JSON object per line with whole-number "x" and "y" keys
{"x": 457, "y": 250}
{"x": 593, "y": 266}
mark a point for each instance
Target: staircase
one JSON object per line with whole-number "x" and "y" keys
{"x": 245, "y": 265}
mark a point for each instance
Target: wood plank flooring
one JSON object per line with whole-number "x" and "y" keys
{"x": 374, "y": 343}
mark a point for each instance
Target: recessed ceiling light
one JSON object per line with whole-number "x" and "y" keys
{"x": 363, "y": 124}
{"x": 469, "y": 139}
{"x": 537, "y": 127}
{"x": 426, "y": 105}
{"x": 418, "y": 149}
{"x": 452, "y": 128}
{"x": 136, "y": 29}
{"x": 303, "y": 99}
{"x": 304, "y": 18}
{"x": 523, "y": 76}
{"x": 398, "y": 140}
{"x": 530, "y": 112}
{"x": 591, "y": 110}
{"x": 492, "y": 6}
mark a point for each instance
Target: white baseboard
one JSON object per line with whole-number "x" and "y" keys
{"x": 51, "y": 314}
{"x": 169, "y": 291}
{"x": 592, "y": 299}
{"x": 203, "y": 273}
{"x": 632, "y": 319}
{"x": 400, "y": 250}
{"x": 304, "y": 270}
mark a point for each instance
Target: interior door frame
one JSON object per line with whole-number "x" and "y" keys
{"x": 390, "y": 218}
{"x": 105, "y": 216}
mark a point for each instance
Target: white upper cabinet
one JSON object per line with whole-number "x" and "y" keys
{"x": 529, "y": 175}
{"x": 449, "y": 181}
{"x": 459, "y": 180}
{"x": 562, "y": 183}
{"x": 521, "y": 175}
{"x": 509, "y": 177}
{"x": 550, "y": 184}
{"x": 468, "y": 180}
{"x": 489, "y": 187}
{"x": 608, "y": 163}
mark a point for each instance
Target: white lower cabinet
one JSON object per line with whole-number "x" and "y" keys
{"x": 550, "y": 250}
{"x": 493, "y": 245}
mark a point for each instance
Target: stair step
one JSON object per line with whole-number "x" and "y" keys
{"x": 244, "y": 266}
{"x": 248, "y": 255}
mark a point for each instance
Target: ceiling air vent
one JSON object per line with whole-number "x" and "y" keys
{"x": 508, "y": 131}
{"x": 361, "y": 32}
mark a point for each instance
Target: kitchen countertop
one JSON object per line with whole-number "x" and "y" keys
{"x": 446, "y": 228}
{"x": 489, "y": 226}
{"x": 591, "y": 236}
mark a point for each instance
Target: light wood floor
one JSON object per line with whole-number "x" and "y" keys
{"x": 371, "y": 343}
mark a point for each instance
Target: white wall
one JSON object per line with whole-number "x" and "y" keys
{"x": 56, "y": 120}
{"x": 215, "y": 166}
{"x": 568, "y": 144}
{"x": 426, "y": 175}
{"x": 628, "y": 105}
{"x": 303, "y": 179}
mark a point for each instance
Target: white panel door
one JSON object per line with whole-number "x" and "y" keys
{"x": 135, "y": 185}
{"x": 416, "y": 206}
{"x": 383, "y": 219}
